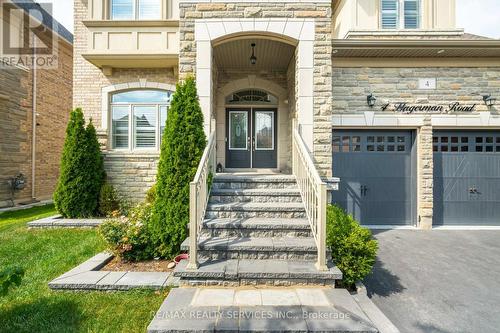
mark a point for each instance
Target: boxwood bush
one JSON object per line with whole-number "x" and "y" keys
{"x": 352, "y": 246}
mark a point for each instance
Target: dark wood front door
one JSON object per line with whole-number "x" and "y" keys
{"x": 251, "y": 138}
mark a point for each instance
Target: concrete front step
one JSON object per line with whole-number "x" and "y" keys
{"x": 256, "y": 227}
{"x": 255, "y": 195}
{"x": 257, "y": 272}
{"x": 283, "y": 248}
{"x": 260, "y": 310}
{"x": 230, "y": 181}
{"x": 256, "y": 209}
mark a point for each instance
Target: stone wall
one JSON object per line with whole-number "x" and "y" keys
{"x": 465, "y": 85}
{"x": 132, "y": 175}
{"x": 54, "y": 101}
{"x": 322, "y": 63}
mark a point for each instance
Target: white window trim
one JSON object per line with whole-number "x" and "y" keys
{"x": 106, "y": 93}
{"x": 401, "y": 16}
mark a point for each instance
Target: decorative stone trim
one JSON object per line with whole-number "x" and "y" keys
{"x": 141, "y": 84}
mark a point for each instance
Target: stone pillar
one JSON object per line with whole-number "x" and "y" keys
{"x": 425, "y": 167}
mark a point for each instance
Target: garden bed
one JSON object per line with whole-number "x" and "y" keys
{"x": 118, "y": 265}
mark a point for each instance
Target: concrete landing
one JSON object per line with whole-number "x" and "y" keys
{"x": 260, "y": 310}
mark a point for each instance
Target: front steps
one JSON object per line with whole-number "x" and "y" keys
{"x": 256, "y": 232}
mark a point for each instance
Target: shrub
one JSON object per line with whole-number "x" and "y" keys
{"x": 181, "y": 150}
{"x": 109, "y": 202}
{"x": 9, "y": 277}
{"x": 82, "y": 170}
{"x": 130, "y": 237}
{"x": 151, "y": 194}
{"x": 353, "y": 249}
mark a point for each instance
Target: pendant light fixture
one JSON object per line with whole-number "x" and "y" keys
{"x": 253, "y": 58}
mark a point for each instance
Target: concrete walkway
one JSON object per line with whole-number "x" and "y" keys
{"x": 438, "y": 281}
{"x": 260, "y": 310}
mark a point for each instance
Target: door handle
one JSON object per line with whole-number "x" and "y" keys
{"x": 249, "y": 143}
{"x": 363, "y": 190}
{"x": 473, "y": 190}
{"x": 253, "y": 143}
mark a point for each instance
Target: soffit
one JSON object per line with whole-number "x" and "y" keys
{"x": 271, "y": 55}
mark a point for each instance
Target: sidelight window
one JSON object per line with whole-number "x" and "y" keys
{"x": 138, "y": 118}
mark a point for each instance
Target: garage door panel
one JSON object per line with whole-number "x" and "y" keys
{"x": 467, "y": 181}
{"x": 375, "y": 169}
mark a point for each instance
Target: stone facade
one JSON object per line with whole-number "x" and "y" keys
{"x": 53, "y": 103}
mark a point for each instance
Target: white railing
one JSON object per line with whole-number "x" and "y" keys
{"x": 314, "y": 194}
{"x": 199, "y": 193}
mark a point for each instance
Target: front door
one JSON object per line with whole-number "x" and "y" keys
{"x": 251, "y": 138}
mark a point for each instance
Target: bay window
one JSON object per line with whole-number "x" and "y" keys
{"x": 135, "y": 9}
{"x": 138, "y": 119}
{"x": 400, "y": 14}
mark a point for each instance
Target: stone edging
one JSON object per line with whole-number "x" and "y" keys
{"x": 88, "y": 276}
{"x": 383, "y": 324}
{"x": 58, "y": 221}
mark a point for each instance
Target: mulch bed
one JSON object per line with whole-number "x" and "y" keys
{"x": 117, "y": 265}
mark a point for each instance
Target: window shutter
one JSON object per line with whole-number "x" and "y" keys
{"x": 389, "y": 14}
{"x": 412, "y": 14}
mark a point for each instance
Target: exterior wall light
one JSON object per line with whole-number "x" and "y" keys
{"x": 253, "y": 58}
{"x": 488, "y": 100}
{"x": 370, "y": 99}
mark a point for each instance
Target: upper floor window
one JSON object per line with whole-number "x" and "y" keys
{"x": 138, "y": 118}
{"x": 400, "y": 14}
{"x": 135, "y": 9}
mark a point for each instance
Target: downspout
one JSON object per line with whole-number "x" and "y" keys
{"x": 33, "y": 120}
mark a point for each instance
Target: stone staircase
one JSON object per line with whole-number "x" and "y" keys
{"x": 256, "y": 233}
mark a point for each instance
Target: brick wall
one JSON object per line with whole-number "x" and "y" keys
{"x": 54, "y": 101}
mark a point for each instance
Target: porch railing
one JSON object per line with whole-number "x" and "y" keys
{"x": 314, "y": 194}
{"x": 199, "y": 192}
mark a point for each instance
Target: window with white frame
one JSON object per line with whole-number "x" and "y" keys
{"x": 135, "y": 9}
{"x": 138, "y": 118}
{"x": 400, "y": 14}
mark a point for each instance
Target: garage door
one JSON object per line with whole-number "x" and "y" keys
{"x": 466, "y": 178}
{"x": 375, "y": 170}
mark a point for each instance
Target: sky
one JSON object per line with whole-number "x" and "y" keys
{"x": 476, "y": 16}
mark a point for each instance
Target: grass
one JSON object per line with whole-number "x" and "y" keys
{"x": 45, "y": 254}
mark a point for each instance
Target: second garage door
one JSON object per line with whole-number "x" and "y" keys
{"x": 466, "y": 178}
{"x": 375, "y": 170}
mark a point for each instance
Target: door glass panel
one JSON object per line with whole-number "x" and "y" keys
{"x": 145, "y": 126}
{"x": 238, "y": 130}
{"x": 264, "y": 130}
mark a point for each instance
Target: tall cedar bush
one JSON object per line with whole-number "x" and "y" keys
{"x": 353, "y": 249}
{"x": 182, "y": 147}
{"x": 82, "y": 171}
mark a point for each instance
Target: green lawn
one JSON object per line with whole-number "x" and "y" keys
{"x": 45, "y": 254}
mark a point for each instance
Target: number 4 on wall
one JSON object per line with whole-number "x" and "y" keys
{"x": 427, "y": 84}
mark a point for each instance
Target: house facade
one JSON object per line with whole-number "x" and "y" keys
{"x": 35, "y": 102}
{"x": 388, "y": 95}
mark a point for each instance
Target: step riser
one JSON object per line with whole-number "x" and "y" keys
{"x": 255, "y": 185}
{"x": 257, "y": 255}
{"x": 185, "y": 282}
{"x": 211, "y": 214}
{"x": 253, "y": 198}
{"x": 259, "y": 233}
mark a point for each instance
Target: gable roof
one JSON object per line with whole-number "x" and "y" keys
{"x": 48, "y": 20}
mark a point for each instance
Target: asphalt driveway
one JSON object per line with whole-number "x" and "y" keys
{"x": 438, "y": 281}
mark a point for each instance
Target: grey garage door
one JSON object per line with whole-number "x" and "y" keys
{"x": 466, "y": 178}
{"x": 375, "y": 170}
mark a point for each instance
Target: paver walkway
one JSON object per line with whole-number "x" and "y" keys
{"x": 260, "y": 310}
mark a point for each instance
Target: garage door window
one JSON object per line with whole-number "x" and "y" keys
{"x": 370, "y": 143}
{"x": 473, "y": 143}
